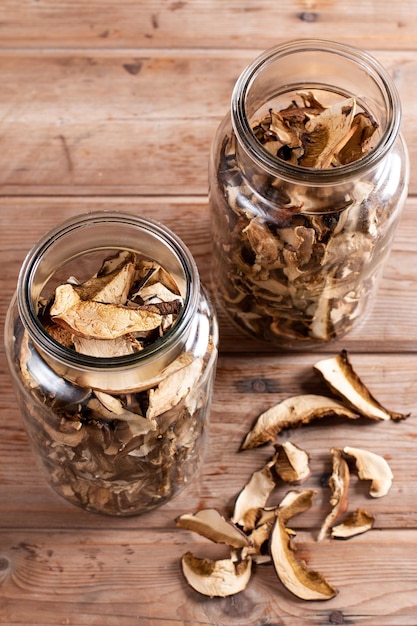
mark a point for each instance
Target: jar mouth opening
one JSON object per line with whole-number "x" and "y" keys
{"x": 382, "y": 83}
{"x": 32, "y": 279}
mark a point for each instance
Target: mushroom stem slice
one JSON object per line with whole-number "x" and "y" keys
{"x": 291, "y": 413}
{"x": 294, "y": 575}
{"x": 339, "y": 485}
{"x": 354, "y": 524}
{"x": 216, "y": 578}
{"x": 372, "y": 467}
{"x": 211, "y": 524}
{"x": 342, "y": 379}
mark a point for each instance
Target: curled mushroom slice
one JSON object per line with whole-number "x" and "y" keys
{"x": 291, "y": 413}
{"x": 216, "y": 578}
{"x": 294, "y": 503}
{"x": 211, "y": 524}
{"x": 112, "y": 287}
{"x": 354, "y": 524}
{"x": 97, "y": 320}
{"x": 173, "y": 388}
{"x": 372, "y": 467}
{"x": 339, "y": 485}
{"x": 294, "y": 575}
{"x": 339, "y": 374}
{"x": 253, "y": 497}
{"x": 291, "y": 462}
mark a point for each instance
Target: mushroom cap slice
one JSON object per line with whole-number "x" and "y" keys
{"x": 211, "y": 524}
{"x": 293, "y": 412}
{"x": 253, "y": 497}
{"x": 216, "y": 578}
{"x": 339, "y": 484}
{"x": 339, "y": 374}
{"x": 354, "y": 524}
{"x": 294, "y": 575}
{"x": 295, "y": 502}
{"x": 291, "y": 462}
{"x": 372, "y": 467}
{"x": 97, "y": 320}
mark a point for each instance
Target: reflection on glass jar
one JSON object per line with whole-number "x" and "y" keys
{"x": 308, "y": 177}
{"x": 112, "y": 345}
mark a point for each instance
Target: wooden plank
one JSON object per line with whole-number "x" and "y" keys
{"x": 204, "y": 23}
{"x": 245, "y": 386}
{"x": 134, "y": 577}
{"x": 112, "y": 122}
{"x": 392, "y": 325}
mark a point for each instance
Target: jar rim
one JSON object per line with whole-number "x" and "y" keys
{"x": 66, "y": 356}
{"x": 280, "y": 168}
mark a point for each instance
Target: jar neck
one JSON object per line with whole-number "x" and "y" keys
{"x": 102, "y": 232}
{"x": 308, "y": 65}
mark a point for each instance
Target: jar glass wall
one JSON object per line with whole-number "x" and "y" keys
{"x": 308, "y": 177}
{"x": 118, "y": 423}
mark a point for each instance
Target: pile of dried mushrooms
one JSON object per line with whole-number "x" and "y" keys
{"x": 258, "y": 532}
{"x": 116, "y": 453}
{"x": 296, "y": 263}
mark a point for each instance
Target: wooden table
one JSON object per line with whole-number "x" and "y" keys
{"x": 113, "y": 105}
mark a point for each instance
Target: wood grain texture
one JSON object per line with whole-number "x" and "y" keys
{"x": 204, "y": 23}
{"x": 113, "y": 106}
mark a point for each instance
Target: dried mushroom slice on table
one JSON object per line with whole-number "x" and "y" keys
{"x": 339, "y": 484}
{"x": 294, "y": 503}
{"x": 253, "y": 497}
{"x": 220, "y": 578}
{"x": 342, "y": 379}
{"x": 211, "y": 524}
{"x": 295, "y": 576}
{"x": 292, "y": 413}
{"x": 356, "y": 523}
{"x": 373, "y": 467}
{"x": 291, "y": 462}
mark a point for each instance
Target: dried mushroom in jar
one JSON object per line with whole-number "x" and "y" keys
{"x": 127, "y": 452}
{"x": 295, "y": 263}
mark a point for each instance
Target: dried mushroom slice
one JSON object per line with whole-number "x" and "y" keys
{"x": 339, "y": 485}
{"x": 292, "y": 413}
{"x": 294, "y": 575}
{"x": 372, "y": 467}
{"x": 97, "y": 320}
{"x": 294, "y": 503}
{"x": 222, "y": 578}
{"x": 291, "y": 462}
{"x": 253, "y": 497}
{"x": 112, "y": 287}
{"x": 354, "y": 524}
{"x": 173, "y": 388}
{"x": 342, "y": 379}
{"x": 106, "y": 348}
{"x": 210, "y": 524}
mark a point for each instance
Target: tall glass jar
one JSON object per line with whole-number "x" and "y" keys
{"x": 118, "y": 423}
{"x": 308, "y": 177}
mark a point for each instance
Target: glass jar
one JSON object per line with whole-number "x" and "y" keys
{"x": 302, "y": 224}
{"x": 116, "y": 433}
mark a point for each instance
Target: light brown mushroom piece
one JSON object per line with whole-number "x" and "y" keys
{"x": 291, "y": 462}
{"x": 354, "y": 524}
{"x": 339, "y": 485}
{"x": 342, "y": 379}
{"x": 295, "y": 576}
{"x": 211, "y": 524}
{"x": 253, "y": 497}
{"x": 221, "y": 578}
{"x": 291, "y": 413}
{"x": 372, "y": 467}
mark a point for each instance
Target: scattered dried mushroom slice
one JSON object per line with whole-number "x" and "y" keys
{"x": 210, "y": 524}
{"x": 221, "y": 578}
{"x": 372, "y": 467}
{"x": 339, "y": 485}
{"x": 291, "y": 413}
{"x": 291, "y": 462}
{"x": 254, "y": 497}
{"x": 294, "y": 503}
{"x": 356, "y": 523}
{"x": 294, "y": 575}
{"x": 342, "y": 379}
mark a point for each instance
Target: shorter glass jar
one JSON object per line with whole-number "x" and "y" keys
{"x": 299, "y": 247}
{"x": 115, "y": 434}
